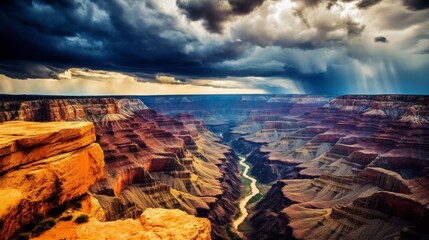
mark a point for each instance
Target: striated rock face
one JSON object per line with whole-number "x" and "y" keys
{"x": 26, "y": 142}
{"x": 43, "y": 166}
{"x": 152, "y": 161}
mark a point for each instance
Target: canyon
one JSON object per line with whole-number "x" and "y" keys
{"x": 353, "y": 167}
{"x": 348, "y": 167}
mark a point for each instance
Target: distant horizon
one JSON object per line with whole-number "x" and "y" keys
{"x": 17, "y": 96}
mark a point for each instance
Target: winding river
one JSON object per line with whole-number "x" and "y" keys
{"x": 243, "y": 202}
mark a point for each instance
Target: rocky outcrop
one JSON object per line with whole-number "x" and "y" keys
{"x": 43, "y": 166}
{"x": 152, "y": 224}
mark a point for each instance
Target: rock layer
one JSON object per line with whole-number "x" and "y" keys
{"x": 153, "y": 224}
{"x": 44, "y": 165}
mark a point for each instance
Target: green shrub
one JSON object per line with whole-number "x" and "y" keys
{"x": 255, "y": 198}
{"x": 43, "y": 226}
{"x": 231, "y": 233}
{"x": 66, "y": 218}
{"x": 83, "y": 218}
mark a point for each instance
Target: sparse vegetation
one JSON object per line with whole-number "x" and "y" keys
{"x": 76, "y": 205}
{"x": 255, "y": 198}
{"x": 43, "y": 226}
{"x": 66, "y": 218}
{"x": 237, "y": 214}
{"x": 23, "y": 236}
{"x": 231, "y": 233}
{"x": 83, "y": 218}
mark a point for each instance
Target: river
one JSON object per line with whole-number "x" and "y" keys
{"x": 243, "y": 202}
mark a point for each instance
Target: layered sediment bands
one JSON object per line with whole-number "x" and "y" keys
{"x": 268, "y": 215}
{"x": 385, "y": 179}
{"x": 27, "y": 142}
{"x": 152, "y": 161}
{"x": 364, "y": 158}
{"x": 39, "y": 169}
{"x": 166, "y": 163}
{"x": 244, "y": 147}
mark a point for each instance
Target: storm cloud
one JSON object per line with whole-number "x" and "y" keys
{"x": 215, "y": 13}
{"x": 322, "y": 46}
{"x": 416, "y": 4}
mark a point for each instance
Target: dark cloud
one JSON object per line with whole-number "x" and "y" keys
{"x": 212, "y": 13}
{"x": 215, "y": 13}
{"x": 244, "y": 6}
{"x": 367, "y": 3}
{"x": 115, "y": 35}
{"x": 362, "y": 4}
{"x": 381, "y": 39}
{"x": 416, "y": 4}
{"x": 23, "y": 70}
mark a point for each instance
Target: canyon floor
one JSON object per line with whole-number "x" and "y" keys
{"x": 273, "y": 166}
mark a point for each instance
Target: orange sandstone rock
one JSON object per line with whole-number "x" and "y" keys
{"x": 153, "y": 224}
{"x": 59, "y": 167}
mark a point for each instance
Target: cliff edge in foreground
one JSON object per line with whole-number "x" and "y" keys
{"x": 47, "y": 165}
{"x": 43, "y": 166}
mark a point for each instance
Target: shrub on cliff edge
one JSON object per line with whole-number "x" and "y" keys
{"x": 83, "y": 218}
{"x": 43, "y": 226}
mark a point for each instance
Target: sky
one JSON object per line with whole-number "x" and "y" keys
{"x": 153, "y": 47}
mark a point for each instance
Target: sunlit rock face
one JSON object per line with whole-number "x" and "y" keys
{"x": 43, "y": 166}
{"x": 152, "y": 161}
{"x": 153, "y": 224}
